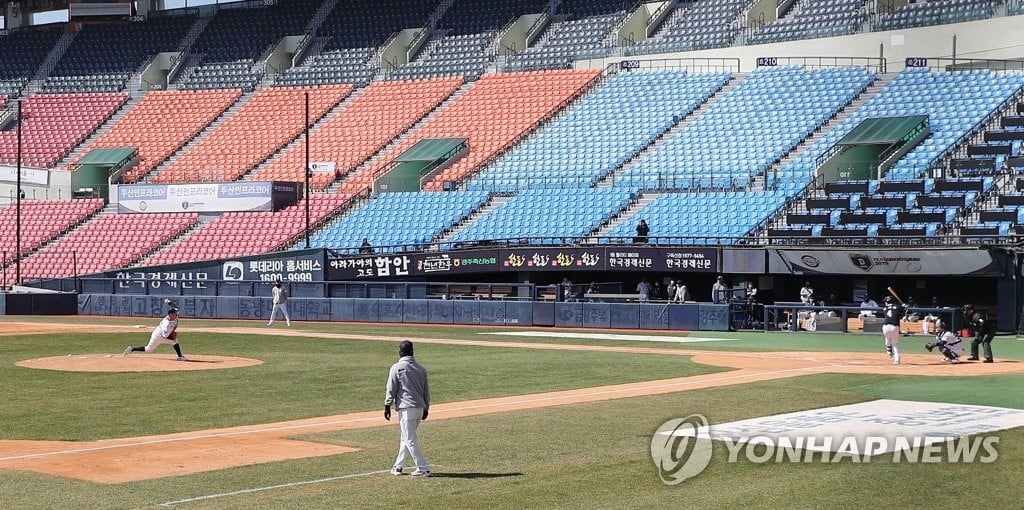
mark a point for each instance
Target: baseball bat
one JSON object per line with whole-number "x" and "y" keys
{"x": 895, "y": 295}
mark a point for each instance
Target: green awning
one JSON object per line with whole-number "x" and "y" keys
{"x": 431, "y": 149}
{"x": 884, "y": 130}
{"x": 107, "y": 157}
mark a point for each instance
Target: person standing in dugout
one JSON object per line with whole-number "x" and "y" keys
{"x": 892, "y": 313}
{"x": 983, "y": 329}
{"x": 408, "y": 391}
{"x": 165, "y": 333}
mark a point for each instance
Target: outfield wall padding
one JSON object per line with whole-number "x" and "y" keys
{"x": 418, "y": 311}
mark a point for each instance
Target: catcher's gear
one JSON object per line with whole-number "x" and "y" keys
{"x": 929, "y": 346}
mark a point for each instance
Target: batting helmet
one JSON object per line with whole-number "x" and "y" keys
{"x": 887, "y": 300}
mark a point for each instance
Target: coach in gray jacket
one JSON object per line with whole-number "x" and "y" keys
{"x": 408, "y": 391}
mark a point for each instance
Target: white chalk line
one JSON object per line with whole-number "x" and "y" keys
{"x": 611, "y": 336}
{"x": 682, "y": 383}
{"x": 270, "y": 487}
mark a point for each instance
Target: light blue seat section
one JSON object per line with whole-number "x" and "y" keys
{"x": 547, "y": 215}
{"x": 412, "y": 218}
{"x": 700, "y": 218}
{"x": 753, "y": 125}
{"x": 601, "y": 131}
{"x": 955, "y": 103}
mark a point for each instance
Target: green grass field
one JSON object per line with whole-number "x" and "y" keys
{"x": 588, "y": 455}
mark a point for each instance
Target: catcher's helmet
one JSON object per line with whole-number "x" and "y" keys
{"x": 968, "y": 307}
{"x": 940, "y": 325}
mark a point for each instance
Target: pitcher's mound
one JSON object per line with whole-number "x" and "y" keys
{"x": 136, "y": 362}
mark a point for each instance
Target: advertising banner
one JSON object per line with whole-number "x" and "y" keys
{"x": 205, "y": 197}
{"x": 686, "y": 260}
{"x": 31, "y": 176}
{"x": 890, "y": 262}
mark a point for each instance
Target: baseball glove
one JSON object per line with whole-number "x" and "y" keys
{"x": 173, "y": 336}
{"x": 929, "y": 346}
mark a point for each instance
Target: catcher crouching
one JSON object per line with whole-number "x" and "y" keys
{"x": 949, "y": 345}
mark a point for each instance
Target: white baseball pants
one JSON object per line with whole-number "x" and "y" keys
{"x": 284, "y": 311}
{"x": 892, "y": 341}
{"x": 408, "y": 422}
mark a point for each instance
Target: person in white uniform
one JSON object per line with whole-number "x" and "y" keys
{"x": 408, "y": 391}
{"x": 280, "y": 303}
{"x": 948, "y": 343}
{"x": 165, "y": 333}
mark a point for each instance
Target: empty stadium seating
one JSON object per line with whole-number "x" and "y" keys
{"x": 578, "y": 28}
{"x": 41, "y": 221}
{"x": 936, "y": 13}
{"x": 107, "y": 242}
{"x": 466, "y": 32}
{"x": 102, "y": 56}
{"x": 353, "y": 31}
{"x": 236, "y": 38}
{"x": 546, "y": 216}
{"x": 266, "y": 122}
{"x": 23, "y": 52}
{"x": 176, "y": 115}
{"x": 54, "y": 123}
{"x": 492, "y": 115}
{"x": 763, "y": 118}
{"x": 700, "y": 218}
{"x": 917, "y": 208}
{"x": 248, "y": 233}
{"x": 813, "y": 19}
{"x": 940, "y": 95}
{"x": 601, "y": 131}
{"x": 693, "y": 26}
{"x": 378, "y": 115}
{"x": 426, "y": 215}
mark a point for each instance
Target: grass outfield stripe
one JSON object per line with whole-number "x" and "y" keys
{"x": 502, "y": 402}
{"x": 270, "y": 487}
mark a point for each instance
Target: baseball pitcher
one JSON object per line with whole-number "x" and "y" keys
{"x": 165, "y": 333}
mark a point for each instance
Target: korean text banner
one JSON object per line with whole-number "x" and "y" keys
{"x": 199, "y": 197}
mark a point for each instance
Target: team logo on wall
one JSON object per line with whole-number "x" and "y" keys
{"x": 810, "y": 261}
{"x": 233, "y": 271}
{"x": 862, "y": 261}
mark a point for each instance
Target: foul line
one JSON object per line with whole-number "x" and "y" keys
{"x": 270, "y": 487}
{"x": 684, "y": 382}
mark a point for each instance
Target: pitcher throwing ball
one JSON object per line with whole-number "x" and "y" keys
{"x": 165, "y": 333}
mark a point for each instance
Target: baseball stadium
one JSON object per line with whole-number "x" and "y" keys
{"x": 647, "y": 253}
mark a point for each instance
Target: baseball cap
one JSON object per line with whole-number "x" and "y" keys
{"x": 172, "y": 310}
{"x": 405, "y": 348}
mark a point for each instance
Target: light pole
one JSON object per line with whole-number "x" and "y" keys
{"x": 17, "y": 206}
{"x": 307, "y": 171}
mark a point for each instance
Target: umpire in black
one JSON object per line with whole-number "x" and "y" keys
{"x": 982, "y": 328}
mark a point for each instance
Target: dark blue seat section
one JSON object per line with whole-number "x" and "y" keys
{"x": 236, "y": 37}
{"x": 23, "y": 51}
{"x": 937, "y": 13}
{"x": 350, "y": 36}
{"x": 466, "y": 32}
{"x": 102, "y": 57}
{"x": 579, "y": 28}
